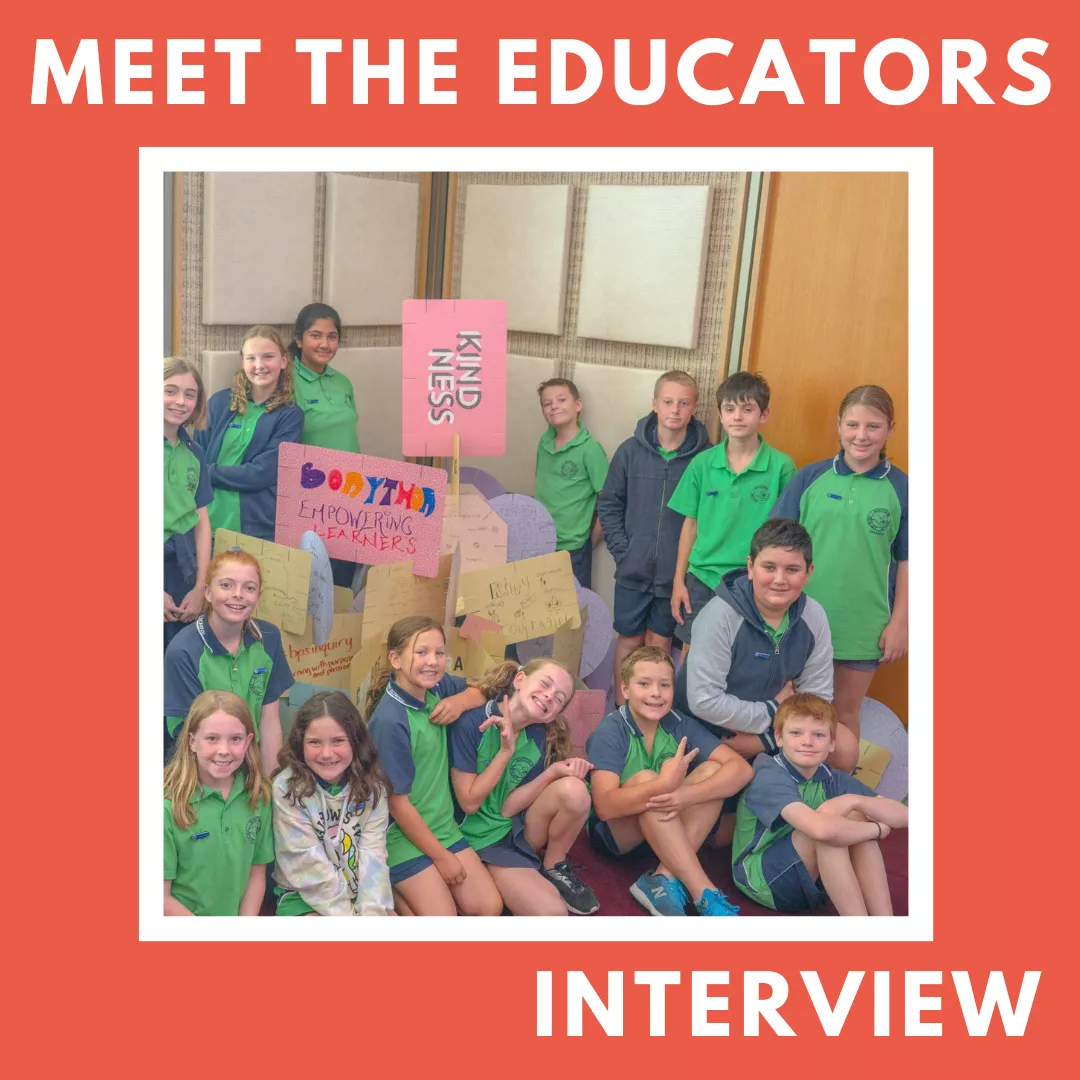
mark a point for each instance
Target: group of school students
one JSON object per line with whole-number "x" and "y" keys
{"x": 450, "y": 796}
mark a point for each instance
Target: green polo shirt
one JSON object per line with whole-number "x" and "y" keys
{"x": 858, "y": 522}
{"x": 412, "y": 751}
{"x": 729, "y": 507}
{"x": 182, "y": 471}
{"x": 568, "y": 480}
{"x": 209, "y": 862}
{"x": 778, "y": 633}
{"x": 224, "y": 511}
{"x": 329, "y": 408}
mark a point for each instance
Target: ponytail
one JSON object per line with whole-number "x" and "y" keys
{"x": 380, "y": 680}
{"x": 499, "y": 680}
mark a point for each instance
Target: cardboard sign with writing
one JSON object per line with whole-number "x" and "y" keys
{"x": 528, "y": 599}
{"x": 367, "y": 509}
{"x": 286, "y": 574}
{"x": 394, "y": 591}
{"x": 453, "y": 371}
{"x": 477, "y": 529}
{"x": 327, "y": 664}
{"x": 471, "y": 657}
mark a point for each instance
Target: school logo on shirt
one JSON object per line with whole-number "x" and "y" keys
{"x": 518, "y": 769}
{"x": 192, "y": 478}
{"x": 569, "y": 470}
{"x": 759, "y": 493}
{"x": 879, "y": 520}
{"x": 252, "y": 829}
{"x": 257, "y": 686}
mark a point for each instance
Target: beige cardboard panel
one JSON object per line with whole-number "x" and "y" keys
{"x": 528, "y": 599}
{"x": 326, "y": 665}
{"x": 514, "y": 249}
{"x": 872, "y": 763}
{"x": 525, "y": 424}
{"x": 370, "y": 254}
{"x": 643, "y": 264}
{"x": 360, "y": 668}
{"x": 252, "y": 274}
{"x": 286, "y": 574}
{"x": 376, "y": 377}
{"x": 603, "y": 575}
{"x": 393, "y": 591}
{"x": 472, "y": 659}
{"x": 343, "y": 600}
{"x": 567, "y": 643}
{"x": 477, "y": 530}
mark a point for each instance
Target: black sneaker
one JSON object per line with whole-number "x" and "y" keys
{"x": 576, "y": 895}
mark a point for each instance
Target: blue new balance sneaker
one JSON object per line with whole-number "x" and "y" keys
{"x": 660, "y": 895}
{"x": 715, "y": 903}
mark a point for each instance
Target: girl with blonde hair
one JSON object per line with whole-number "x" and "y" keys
{"x": 218, "y": 837}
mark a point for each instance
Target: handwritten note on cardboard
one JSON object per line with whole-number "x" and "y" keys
{"x": 326, "y": 665}
{"x": 286, "y": 574}
{"x": 528, "y": 599}
{"x": 367, "y": 509}
{"x": 394, "y": 591}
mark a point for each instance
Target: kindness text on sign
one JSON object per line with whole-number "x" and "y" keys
{"x": 453, "y": 360}
{"x": 367, "y": 509}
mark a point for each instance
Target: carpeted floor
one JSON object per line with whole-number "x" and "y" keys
{"x": 611, "y": 879}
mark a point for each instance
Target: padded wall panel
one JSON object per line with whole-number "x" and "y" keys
{"x": 376, "y": 379}
{"x": 524, "y": 424}
{"x": 258, "y": 247}
{"x": 515, "y": 249}
{"x": 370, "y": 253}
{"x": 643, "y": 264}
{"x": 218, "y": 369}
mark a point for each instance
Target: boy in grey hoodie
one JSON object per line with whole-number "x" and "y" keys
{"x": 761, "y": 640}
{"x": 641, "y": 531}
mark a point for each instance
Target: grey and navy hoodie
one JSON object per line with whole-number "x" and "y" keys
{"x": 734, "y": 671}
{"x": 640, "y": 530}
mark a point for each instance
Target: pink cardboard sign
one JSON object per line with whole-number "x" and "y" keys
{"x": 453, "y": 370}
{"x": 366, "y": 509}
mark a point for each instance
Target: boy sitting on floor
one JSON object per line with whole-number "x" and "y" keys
{"x": 805, "y": 832}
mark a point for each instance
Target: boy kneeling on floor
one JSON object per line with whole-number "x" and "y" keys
{"x": 659, "y": 781}
{"x": 805, "y": 832}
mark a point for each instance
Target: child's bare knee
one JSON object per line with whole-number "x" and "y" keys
{"x": 642, "y": 777}
{"x": 572, "y": 794}
{"x": 702, "y": 772}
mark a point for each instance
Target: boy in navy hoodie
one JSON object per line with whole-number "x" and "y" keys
{"x": 761, "y": 640}
{"x": 641, "y": 531}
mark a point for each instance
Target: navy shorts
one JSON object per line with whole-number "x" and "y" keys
{"x": 581, "y": 564}
{"x": 636, "y": 612}
{"x": 860, "y": 665}
{"x": 700, "y": 595}
{"x": 411, "y": 867}
{"x": 512, "y": 850}
{"x": 792, "y": 887}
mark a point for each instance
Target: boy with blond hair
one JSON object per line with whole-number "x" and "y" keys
{"x": 805, "y": 832}
{"x": 640, "y": 529}
{"x": 571, "y": 467}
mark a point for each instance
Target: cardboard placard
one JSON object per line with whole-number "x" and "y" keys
{"x": 343, "y": 600}
{"x": 286, "y": 574}
{"x": 528, "y": 599}
{"x": 453, "y": 377}
{"x": 472, "y": 658}
{"x": 872, "y": 763}
{"x": 327, "y": 664}
{"x": 394, "y": 591}
{"x": 365, "y": 509}
{"x": 477, "y": 530}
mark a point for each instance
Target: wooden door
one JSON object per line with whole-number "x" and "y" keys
{"x": 830, "y": 312}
